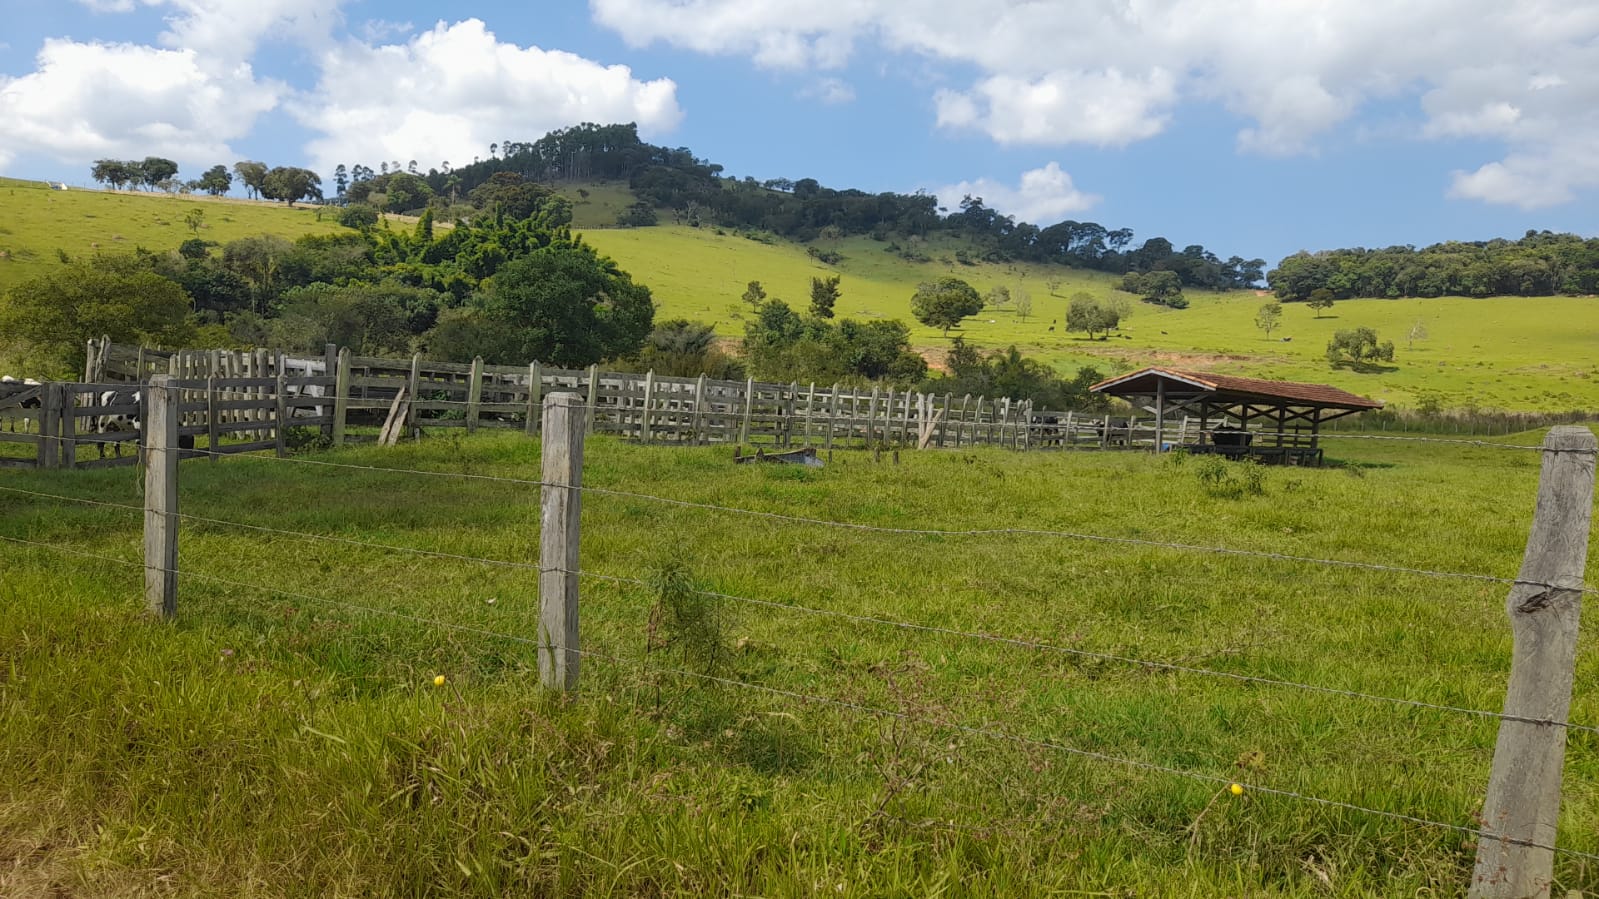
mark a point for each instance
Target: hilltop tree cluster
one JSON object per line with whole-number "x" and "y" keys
{"x": 1541, "y": 263}
{"x": 696, "y": 192}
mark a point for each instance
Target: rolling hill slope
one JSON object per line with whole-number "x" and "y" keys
{"x": 1503, "y": 352}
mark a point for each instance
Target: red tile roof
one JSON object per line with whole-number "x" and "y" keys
{"x": 1232, "y": 386}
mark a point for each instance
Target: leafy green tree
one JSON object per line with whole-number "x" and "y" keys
{"x": 1086, "y": 314}
{"x": 754, "y": 295}
{"x": 341, "y": 180}
{"x": 1269, "y": 317}
{"x": 424, "y": 226}
{"x": 824, "y": 293}
{"x": 1163, "y": 288}
{"x": 114, "y": 172}
{"x": 1321, "y": 299}
{"x": 258, "y": 261}
{"x": 47, "y": 319}
{"x": 1023, "y": 303}
{"x": 566, "y": 305}
{"x": 216, "y": 181}
{"x": 359, "y": 216}
{"x": 290, "y": 184}
{"x": 194, "y": 219}
{"x": 638, "y": 215}
{"x": 1358, "y": 347}
{"x": 154, "y": 170}
{"x": 681, "y": 348}
{"x": 252, "y": 175}
{"x": 998, "y": 295}
{"x": 945, "y": 303}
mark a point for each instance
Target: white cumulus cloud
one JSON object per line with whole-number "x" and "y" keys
{"x": 450, "y": 92}
{"x": 1044, "y": 196}
{"x": 88, "y": 100}
{"x": 1110, "y": 72}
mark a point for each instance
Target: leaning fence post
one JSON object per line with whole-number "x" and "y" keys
{"x": 1545, "y": 604}
{"x": 562, "y": 502}
{"x": 160, "y": 427}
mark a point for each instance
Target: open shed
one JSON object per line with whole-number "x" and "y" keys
{"x": 1273, "y": 421}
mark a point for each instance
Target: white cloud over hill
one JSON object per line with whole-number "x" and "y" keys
{"x": 1110, "y": 72}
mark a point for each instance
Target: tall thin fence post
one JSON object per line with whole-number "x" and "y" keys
{"x": 474, "y": 395}
{"x": 535, "y": 398}
{"x": 749, "y": 409}
{"x": 1545, "y": 605}
{"x": 341, "y": 395}
{"x": 280, "y": 433}
{"x": 160, "y": 425}
{"x": 562, "y": 503}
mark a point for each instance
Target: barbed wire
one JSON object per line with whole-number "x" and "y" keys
{"x": 859, "y": 619}
{"x": 873, "y": 711}
{"x": 971, "y": 532}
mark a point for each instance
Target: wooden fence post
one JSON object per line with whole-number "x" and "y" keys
{"x": 594, "y": 397}
{"x": 535, "y": 398}
{"x": 160, "y": 425}
{"x": 341, "y": 395}
{"x": 644, "y": 416}
{"x": 414, "y": 385}
{"x": 562, "y": 503}
{"x": 749, "y": 408}
{"x": 1545, "y": 605}
{"x": 280, "y": 433}
{"x": 474, "y": 395}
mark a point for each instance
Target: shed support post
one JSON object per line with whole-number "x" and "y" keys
{"x": 1160, "y": 415}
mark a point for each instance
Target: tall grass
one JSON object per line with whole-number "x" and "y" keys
{"x": 271, "y": 744}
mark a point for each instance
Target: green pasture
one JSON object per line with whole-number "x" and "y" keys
{"x": 1503, "y": 352}
{"x": 284, "y": 736}
{"x": 35, "y": 222}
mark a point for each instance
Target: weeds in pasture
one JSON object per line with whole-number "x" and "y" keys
{"x": 263, "y": 744}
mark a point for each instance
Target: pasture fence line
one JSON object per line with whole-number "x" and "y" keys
{"x": 1517, "y": 835}
{"x": 794, "y": 607}
{"x": 648, "y": 407}
{"x": 814, "y": 699}
{"x": 1516, "y": 846}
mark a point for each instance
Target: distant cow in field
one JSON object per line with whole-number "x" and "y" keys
{"x": 33, "y": 402}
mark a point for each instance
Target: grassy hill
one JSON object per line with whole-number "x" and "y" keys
{"x": 1505, "y": 352}
{"x": 293, "y": 743}
{"x": 36, "y": 222}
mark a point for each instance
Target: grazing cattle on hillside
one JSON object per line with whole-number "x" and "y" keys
{"x": 33, "y": 402}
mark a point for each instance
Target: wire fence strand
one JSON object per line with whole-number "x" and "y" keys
{"x": 861, "y": 708}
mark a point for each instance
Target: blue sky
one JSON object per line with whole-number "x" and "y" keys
{"x": 1255, "y": 127}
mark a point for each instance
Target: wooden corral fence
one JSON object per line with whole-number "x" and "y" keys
{"x": 81, "y": 424}
{"x": 646, "y": 407}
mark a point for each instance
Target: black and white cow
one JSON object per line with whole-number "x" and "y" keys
{"x": 30, "y": 403}
{"x": 127, "y": 422}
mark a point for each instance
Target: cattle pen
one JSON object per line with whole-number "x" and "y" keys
{"x": 242, "y": 401}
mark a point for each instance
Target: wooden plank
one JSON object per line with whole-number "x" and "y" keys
{"x": 1545, "y": 608}
{"x": 593, "y": 397}
{"x": 644, "y": 417}
{"x": 161, "y": 497}
{"x": 559, "y": 537}
{"x": 394, "y": 425}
